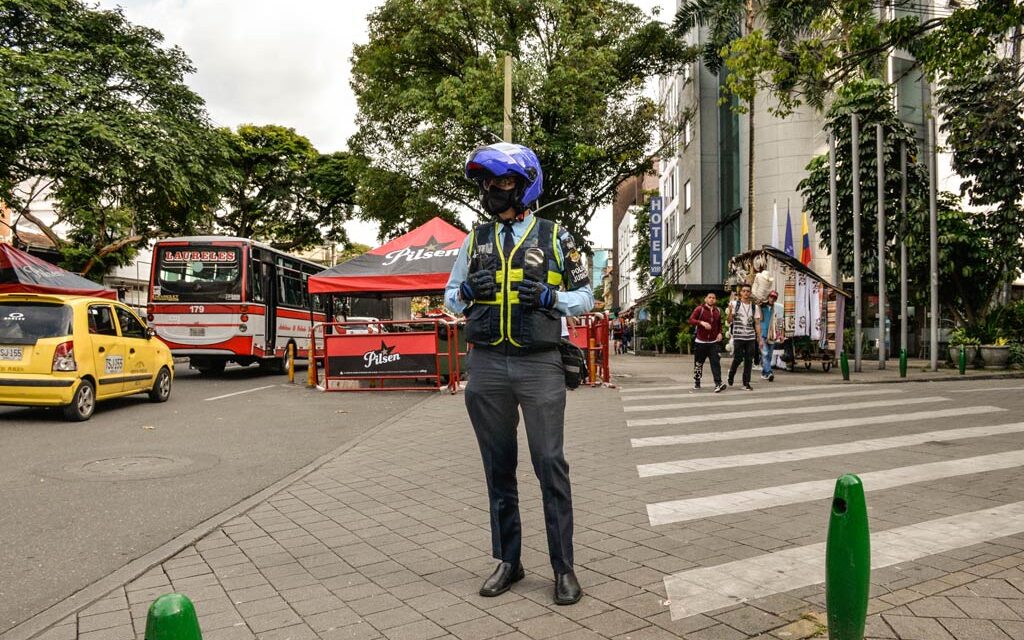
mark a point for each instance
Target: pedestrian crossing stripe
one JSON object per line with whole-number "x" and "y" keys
{"x": 775, "y": 388}
{"x": 675, "y": 511}
{"x": 820, "y": 425}
{"x": 809, "y": 453}
{"x": 772, "y": 400}
{"x": 774, "y": 412}
{"x": 710, "y": 588}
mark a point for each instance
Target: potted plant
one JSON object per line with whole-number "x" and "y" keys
{"x": 962, "y": 338}
{"x": 996, "y": 355}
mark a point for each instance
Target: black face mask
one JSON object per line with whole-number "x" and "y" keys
{"x": 497, "y": 200}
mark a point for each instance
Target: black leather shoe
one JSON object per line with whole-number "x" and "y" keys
{"x": 567, "y": 589}
{"x": 502, "y": 578}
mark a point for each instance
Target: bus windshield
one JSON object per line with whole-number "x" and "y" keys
{"x": 198, "y": 273}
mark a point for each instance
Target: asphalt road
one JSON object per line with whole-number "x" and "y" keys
{"x": 80, "y": 500}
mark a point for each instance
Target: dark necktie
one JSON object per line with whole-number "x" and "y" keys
{"x": 508, "y": 241}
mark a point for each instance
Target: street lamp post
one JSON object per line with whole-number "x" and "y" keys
{"x": 857, "y": 297}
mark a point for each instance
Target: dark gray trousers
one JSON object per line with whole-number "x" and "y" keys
{"x": 499, "y": 385}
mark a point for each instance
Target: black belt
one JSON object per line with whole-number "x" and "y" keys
{"x": 508, "y": 349}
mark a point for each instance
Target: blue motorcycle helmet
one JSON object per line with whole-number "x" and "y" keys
{"x": 504, "y": 159}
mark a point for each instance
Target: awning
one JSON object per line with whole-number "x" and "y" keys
{"x": 21, "y": 272}
{"x": 417, "y": 263}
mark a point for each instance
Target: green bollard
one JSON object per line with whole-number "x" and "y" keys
{"x": 847, "y": 561}
{"x": 172, "y": 617}
{"x": 844, "y": 365}
{"x": 903, "y": 363}
{"x": 963, "y": 359}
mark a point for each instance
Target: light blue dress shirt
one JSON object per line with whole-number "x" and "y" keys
{"x": 570, "y": 303}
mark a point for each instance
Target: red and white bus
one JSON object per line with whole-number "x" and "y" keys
{"x": 218, "y": 299}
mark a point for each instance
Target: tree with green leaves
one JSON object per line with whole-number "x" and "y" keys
{"x": 282, "y": 191}
{"x": 429, "y": 86}
{"x": 95, "y": 115}
{"x": 641, "y": 262}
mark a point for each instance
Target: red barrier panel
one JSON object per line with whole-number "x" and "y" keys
{"x": 381, "y": 356}
{"x": 591, "y": 334}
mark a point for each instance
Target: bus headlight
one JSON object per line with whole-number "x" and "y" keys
{"x": 242, "y": 328}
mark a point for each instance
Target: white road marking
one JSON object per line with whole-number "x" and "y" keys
{"x": 740, "y": 501}
{"x": 238, "y": 393}
{"x": 808, "y": 453}
{"x": 776, "y": 412}
{"x": 820, "y": 425}
{"x": 748, "y": 401}
{"x": 709, "y": 588}
{"x": 708, "y": 392}
{"x": 986, "y": 390}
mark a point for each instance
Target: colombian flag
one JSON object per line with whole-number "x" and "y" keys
{"x": 805, "y": 245}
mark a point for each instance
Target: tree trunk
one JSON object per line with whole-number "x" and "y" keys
{"x": 47, "y": 231}
{"x": 107, "y": 250}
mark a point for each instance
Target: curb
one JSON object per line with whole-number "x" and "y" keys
{"x": 966, "y": 378}
{"x": 94, "y": 592}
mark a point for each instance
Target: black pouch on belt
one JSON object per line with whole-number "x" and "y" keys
{"x": 575, "y": 363}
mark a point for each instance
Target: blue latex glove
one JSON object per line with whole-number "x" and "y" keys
{"x": 535, "y": 294}
{"x": 479, "y": 285}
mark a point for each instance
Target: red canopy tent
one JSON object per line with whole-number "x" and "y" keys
{"x": 21, "y": 272}
{"x": 417, "y": 263}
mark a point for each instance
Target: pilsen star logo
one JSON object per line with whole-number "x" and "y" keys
{"x": 385, "y": 350}
{"x": 433, "y": 244}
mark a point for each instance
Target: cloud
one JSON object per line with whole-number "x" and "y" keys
{"x": 282, "y": 62}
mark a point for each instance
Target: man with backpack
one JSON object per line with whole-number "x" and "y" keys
{"x": 744, "y": 320}
{"x": 707, "y": 318}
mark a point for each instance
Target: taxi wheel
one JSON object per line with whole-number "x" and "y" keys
{"x": 83, "y": 403}
{"x": 161, "y": 390}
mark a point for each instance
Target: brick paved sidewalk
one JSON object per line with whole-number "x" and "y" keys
{"x": 391, "y": 540}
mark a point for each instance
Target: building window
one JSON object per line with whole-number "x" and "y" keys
{"x": 687, "y": 132}
{"x": 686, "y": 72}
{"x": 687, "y": 196}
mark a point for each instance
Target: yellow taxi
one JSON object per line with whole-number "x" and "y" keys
{"x": 71, "y": 351}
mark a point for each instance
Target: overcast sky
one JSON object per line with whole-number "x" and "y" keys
{"x": 283, "y": 62}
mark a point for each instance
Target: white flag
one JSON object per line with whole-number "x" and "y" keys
{"x": 775, "y": 224}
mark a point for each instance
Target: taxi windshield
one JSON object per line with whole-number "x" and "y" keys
{"x": 198, "y": 274}
{"x": 27, "y": 322}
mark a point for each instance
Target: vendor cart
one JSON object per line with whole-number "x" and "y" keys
{"x": 809, "y": 315}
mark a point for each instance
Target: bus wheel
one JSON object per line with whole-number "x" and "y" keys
{"x": 211, "y": 367}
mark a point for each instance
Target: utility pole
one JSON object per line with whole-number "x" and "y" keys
{"x": 880, "y": 179}
{"x": 903, "y": 246}
{"x": 833, "y": 209}
{"x": 507, "y": 130}
{"x": 857, "y": 297}
{"x": 933, "y": 227}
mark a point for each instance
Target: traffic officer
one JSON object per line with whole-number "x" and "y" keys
{"x": 515, "y": 278}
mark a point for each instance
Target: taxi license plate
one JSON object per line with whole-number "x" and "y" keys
{"x": 197, "y": 331}
{"x": 10, "y": 353}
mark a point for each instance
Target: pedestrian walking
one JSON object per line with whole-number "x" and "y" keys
{"x": 515, "y": 278}
{"x": 770, "y": 334}
{"x": 707, "y": 318}
{"x": 744, "y": 320}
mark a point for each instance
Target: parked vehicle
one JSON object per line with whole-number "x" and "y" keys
{"x": 72, "y": 351}
{"x": 367, "y": 324}
{"x": 218, "y": 299}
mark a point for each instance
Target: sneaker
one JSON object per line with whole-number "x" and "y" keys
{"x": 747, "y": 387}
{"x": 696, "y": 386}
{"x": 771, "y": 377}
{"x": 720, "y": 388}
{"x": 730, "y": 381}
{"x": 764, "y": 377}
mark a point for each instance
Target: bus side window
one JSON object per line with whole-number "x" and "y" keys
{"x": 255, "y": 281}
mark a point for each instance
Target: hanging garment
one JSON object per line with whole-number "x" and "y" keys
{"x": 840, "y": 321}
{"x": 789, "y": 302}
{"x": 802, "y": 316}
{"x": 814, "y": 309}
{"x": 830, "y": 306}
